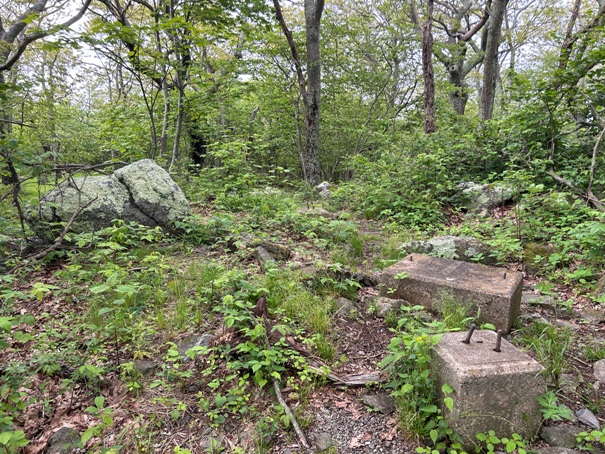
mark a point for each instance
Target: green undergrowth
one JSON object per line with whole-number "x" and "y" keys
{"x": 129, "y": 293}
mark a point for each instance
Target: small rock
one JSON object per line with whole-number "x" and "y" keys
{"x": 145, "y": 368}
{"x": 599, "y": 288}
{"x": 386, "y": 305}
{"x": 63, "y": 441}
{"x": 323, "y": 189}
{"x": 211, "y": 444}
{"x": 193, "y": 341}
{"x": 532, "y": 318}
{"x": 594, "y": 316}
{"x": 323, "y": 441}
{"x": 599, "y": 370}
{"x": 345, "y": 306}
{"x": 561, "y": 435}
{"x": 382, "y": 402}
{"x": 568, "y": 384}
{"x": 192, "y": 389}
{"x": 587, "y": 417}
{"x": 566, "y": 325}
{"x": 265, "y": 259}
{"x": 556, "y": 450}
{"x": 543, "y": 301}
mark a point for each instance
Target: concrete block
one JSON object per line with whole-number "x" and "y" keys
{"x": 492, "y": 391}
{"x": 496, "y": 292}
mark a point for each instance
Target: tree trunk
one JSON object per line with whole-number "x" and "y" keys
{"x": 427, "y": 71}
{"x": 313, "y": 11}
{"x": 459, "y": 96}
{"x": 310, "y": 90}
{"x": 490, "y": 62}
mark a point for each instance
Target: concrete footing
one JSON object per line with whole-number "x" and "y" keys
{"x": 492, "y": 390}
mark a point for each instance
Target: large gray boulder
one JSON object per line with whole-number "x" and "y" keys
{"x": 141, "y": 192}
{"x": 464, "y": 248}
{"x": 481, "y": 199}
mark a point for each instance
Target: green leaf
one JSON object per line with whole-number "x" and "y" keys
{"x": 430, "y": 409}
{"x": 99, "y": 289}
{"x": 406, "y": 388}
{"x": 446, "y": 388}
{"x": 5, "y": 437}
{"x": 449, "y": 403}
{"x": 99, "y": 401}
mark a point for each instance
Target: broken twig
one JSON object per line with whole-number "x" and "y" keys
{"x": 282, "y": 402}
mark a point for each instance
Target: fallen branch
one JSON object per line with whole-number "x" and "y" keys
{"x": 57, "y": 242}
{"x": 282, "y": 402}
{"x": 351, "y": 380}
{"x": 589, "y": 196}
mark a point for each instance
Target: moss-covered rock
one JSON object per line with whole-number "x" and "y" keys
{"x": 536, "y": 256}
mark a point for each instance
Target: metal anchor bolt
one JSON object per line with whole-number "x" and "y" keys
{"x": 498, "y": 341}
{"x": 470, "y": 333}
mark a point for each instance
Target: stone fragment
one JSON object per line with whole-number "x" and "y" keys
{"x": 278, "y": 251}
{"x": 386, "y": 305}
{"x": 599, "y": 370}
{"x": 593, "y": 316}
{"x": 64, "y": 441}
{"x": 212, "y": 444}
{"x": 466, "y": 249}
{"x": 145, "y": 368}
{"x": 491, "y": 390}
{"x": 557, "y": 450}
{"x": 195, "y": 340}
{"x": 568, "y": 383}
{"x": 382, "y": 402}
{"x": 599, "y": 288}
{"x": 345, "y": 306}
{"x": 323, "y": 441}
{"x": 265, "y": 259}
{"x": 560, "y": 435}
{"x": 323, "y": 189}
{"x": 424, "y": 280}
{"x": 585, "y": 416}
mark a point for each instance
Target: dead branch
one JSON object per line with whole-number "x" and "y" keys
{"x": 348, "y": 381}
{"x": 282, "y": 402}
{"x": 589, "y": 196}
{"x": 593, "y": 161}
{"x": 57, "y": 242}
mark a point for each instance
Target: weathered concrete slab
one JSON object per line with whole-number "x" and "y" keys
{"x": 421, "y": 279}
{"x": 492, "y": 391}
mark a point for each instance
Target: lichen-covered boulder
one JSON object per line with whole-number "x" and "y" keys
{"x": 464, "y": 248}
{"x": 481, "y": 199}
{"x": 141, "y": 192}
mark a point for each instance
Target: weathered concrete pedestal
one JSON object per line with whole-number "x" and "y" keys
{"x": 492, "y": 391}
{"x": 422, "y": 279}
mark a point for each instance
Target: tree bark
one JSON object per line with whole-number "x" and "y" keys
{"x": 427, "y": 71}
{"x": 490, "y": 62}
{"x": 313, "y": 12}
{"x": 310, "y": 90}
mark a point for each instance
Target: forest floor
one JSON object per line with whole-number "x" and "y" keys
{"x": 78, "y": 348}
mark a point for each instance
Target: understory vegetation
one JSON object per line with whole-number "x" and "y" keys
{"x": 186, "y": 339}
{"x": 79, "y": 325}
